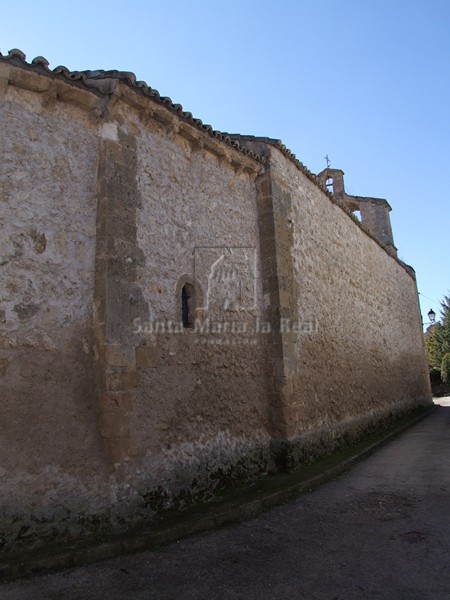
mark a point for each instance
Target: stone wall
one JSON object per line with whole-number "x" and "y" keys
{"x": 358, "y": 359}
{"x": 106, "y": 422}
{"x": 188, "y": 407}
{"x": 50, "y": 448}
{"x": 303, "y": 331}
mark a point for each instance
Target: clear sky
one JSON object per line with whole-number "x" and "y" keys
{"x": 365, "y": 81}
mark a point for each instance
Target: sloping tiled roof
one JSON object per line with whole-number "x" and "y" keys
{"x": 287, "y": 153}
{"x": 90, "y": 80}
{"x": 99, "y": 83}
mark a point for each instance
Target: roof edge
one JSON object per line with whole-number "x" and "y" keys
{"x": 315, "y": 179}
{"x": 88, "y": 80}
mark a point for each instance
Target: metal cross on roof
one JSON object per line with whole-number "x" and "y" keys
{"x": 328, "y": 160}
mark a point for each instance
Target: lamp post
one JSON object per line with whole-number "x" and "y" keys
{"x": 432, "y": 316}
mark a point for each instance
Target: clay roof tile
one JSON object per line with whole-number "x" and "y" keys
{"x": 87, "y": 78}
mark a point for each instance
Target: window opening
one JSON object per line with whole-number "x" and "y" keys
{"x": 187, "y": 305}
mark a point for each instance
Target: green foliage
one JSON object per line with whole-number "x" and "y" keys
{"x": 437, "y": 342}
{"x": 445, "y": 327}
{"x": 445, "y": 368}
{"x": 433, "y": 348}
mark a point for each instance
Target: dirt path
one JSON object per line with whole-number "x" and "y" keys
{"x": 380, "y": 531}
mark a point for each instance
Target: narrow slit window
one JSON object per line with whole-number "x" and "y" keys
{"x": 187, "y": 305}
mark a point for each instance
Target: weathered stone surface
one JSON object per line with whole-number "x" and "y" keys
{"x": 367, "y": 350}
{"x": 122, "y": 213}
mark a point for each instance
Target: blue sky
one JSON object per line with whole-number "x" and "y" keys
{"x": 366, "y": 82}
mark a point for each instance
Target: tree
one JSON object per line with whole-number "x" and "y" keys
{"x": 445, "y": 368}
{"x": 433, "y": 348}
{"x": 437, "y": 343}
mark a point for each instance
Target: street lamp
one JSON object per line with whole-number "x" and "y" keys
{"x": 431, "y": 316}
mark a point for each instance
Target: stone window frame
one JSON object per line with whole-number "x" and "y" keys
{"x": 197, "y": 300}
